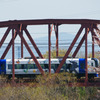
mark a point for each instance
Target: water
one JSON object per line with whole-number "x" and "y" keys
{"x": 65, "y": 40}
{"x": 43, "y": 48}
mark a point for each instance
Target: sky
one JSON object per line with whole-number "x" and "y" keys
{"x": 44, "y": 9}
{"x": 49, "y": 9}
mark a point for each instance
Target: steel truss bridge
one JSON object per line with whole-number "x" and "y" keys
{"x": 17, "y": 27}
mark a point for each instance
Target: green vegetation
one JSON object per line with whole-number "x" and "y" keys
{"x": 63, "y": 51}
{"x": 53, "y": 53}
{"x": 54, "y": 87}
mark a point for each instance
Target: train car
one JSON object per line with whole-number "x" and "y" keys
{"x": 28, "y": 68}
{"x": 78, "y": 67}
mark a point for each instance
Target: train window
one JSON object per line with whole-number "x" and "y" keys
{"x": 53, "y": 66}
{"x": 64, "y": 66}
{"x": 22, "y": 66}
{"x": 56, "y": 66}
{"x": 42, "y": 65}
{"x": 92, "y": 64}
{"x": 46, "y": 65}
{"x": 2, "y": 66}
{"x": 9, "y": 66}
{"x": 30, "y": 66}
{"x": 35, "y": 67}
{"x": 69, "y": 66}
{"x": 18, "y": 66}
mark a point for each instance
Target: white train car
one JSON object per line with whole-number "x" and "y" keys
{"x": 28, "y": 68}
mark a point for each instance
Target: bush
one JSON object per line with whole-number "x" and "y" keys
{"x": 49, "y": 87}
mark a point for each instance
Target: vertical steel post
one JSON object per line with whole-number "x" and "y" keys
{"x": 92, "y": 46}
{"x": 21, "y": 30}
{"x": 22, "y": 46}
{"x": 86, "y": 55}
{"x": 13, "y": 63}
{"x": 49, "y": 48}
{"x": 57, "y": 49}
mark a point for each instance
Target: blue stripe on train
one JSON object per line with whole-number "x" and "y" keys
{"x": 3, "y": 66}
{"x": 96, "y": 75}
{"x": 81, "y": 65}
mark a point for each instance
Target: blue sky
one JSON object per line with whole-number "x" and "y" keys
{"x": 45, "y": 9}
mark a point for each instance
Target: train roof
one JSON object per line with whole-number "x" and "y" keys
{"x": 31, "y": 61}
{"x": 41, "y": 61}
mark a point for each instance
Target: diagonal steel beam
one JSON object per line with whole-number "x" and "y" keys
{"x": 30, "y": 51}
{"x": 96, "y": 38}
{"x": 8, "y": 47}
{"x": 33, "y": 43}
{"x": 78, "y": 47}
{"x": 98, "y": 32}
{"x": 70, "y": 48}
{"x": 5, "y": 36}
{"x": 92, "y": 43}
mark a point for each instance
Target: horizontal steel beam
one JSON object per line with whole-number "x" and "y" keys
{"x": 49, "y": 21}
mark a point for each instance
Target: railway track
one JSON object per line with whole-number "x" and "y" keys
{"x": 34, "y": 83}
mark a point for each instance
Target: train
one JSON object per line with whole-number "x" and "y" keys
{"x": 28, "y": 68}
